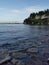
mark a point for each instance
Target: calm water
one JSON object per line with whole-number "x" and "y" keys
{"x": 20, "y": 32}
{"x": 25, "y": 36}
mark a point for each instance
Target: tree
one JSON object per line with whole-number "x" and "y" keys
{"x": 32, "y": 15}
{"x": 41, "y": 13}
{"x": 47, "y": 12}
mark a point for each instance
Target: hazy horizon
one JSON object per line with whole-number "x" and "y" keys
{"x": 12, "y": 11}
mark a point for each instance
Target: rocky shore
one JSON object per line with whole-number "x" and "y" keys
{"x": 29, "y": 53}
{"x": 21, "y": 58}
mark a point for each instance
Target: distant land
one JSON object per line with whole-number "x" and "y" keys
{"x": 10, "y": 23}
{"x": 38, "y": 18}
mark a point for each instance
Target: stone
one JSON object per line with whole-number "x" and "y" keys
{"x": 20, "y": 55}
{"x": 33, "y": 50}
{"x": 48, "y": 59}
{"x": 20, "y": 63}
{"x": 13, "y": 54}
{"x": 14, "y": 61}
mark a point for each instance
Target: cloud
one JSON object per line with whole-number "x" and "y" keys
{"x": 25, "y": 12}
{"x": 14, "y": 11}
{"x": 18, "y": 14}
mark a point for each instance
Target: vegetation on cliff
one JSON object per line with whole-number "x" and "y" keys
{"x": 42, "y": 17}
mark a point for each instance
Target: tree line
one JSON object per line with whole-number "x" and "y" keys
{"x": 32, "y": 20}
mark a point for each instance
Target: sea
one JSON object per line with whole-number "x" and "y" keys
{"x": 24, "y": 35}
{"x": 30, "y": 42}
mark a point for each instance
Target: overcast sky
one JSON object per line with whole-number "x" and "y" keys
{"x": 18, "y": 10}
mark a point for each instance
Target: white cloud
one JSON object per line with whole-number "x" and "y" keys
{"x": 15, "y": 11}
{"x": 18, "y": 15}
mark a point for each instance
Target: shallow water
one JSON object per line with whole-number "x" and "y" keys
{"x": 24, "y": 37}
{"x": 25, "y": 40}
{"x": 16, "y": 32}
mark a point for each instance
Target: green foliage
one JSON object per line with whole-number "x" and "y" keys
{"x": 32, "y": 21}
{"x": 32, "y": 15}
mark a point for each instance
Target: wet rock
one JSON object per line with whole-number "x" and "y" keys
{"x": 32, "y": 50}
{"x": 13, "y": 54}
{"x": 20, "y": 55}
{"x": 14, "y": 61}
{"x": 48, "y": 60}
{"x": 20, "y": 63}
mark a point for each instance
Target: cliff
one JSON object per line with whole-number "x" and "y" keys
{"x": 42, "y": 17}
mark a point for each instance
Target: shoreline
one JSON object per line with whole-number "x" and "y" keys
{"x": 19, "y": 58}
{"x": 30, "y": 55}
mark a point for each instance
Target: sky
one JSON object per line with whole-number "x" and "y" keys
{"x": 15, "y": 11}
